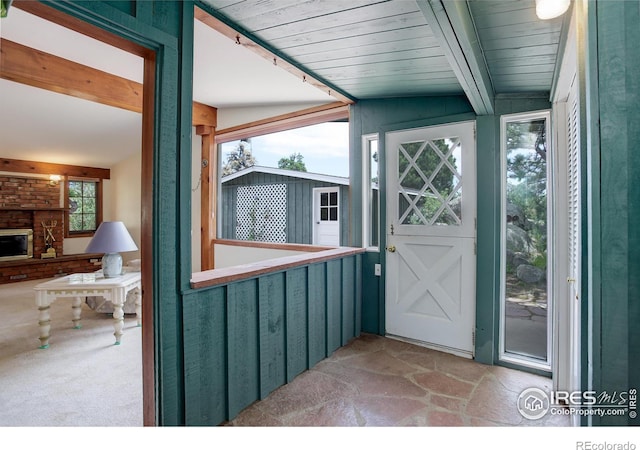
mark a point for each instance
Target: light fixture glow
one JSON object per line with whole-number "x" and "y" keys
{"x": 54, "y": 180}
{"x": 548, "y": 9}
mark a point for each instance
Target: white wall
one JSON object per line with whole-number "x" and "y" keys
{"x": 234, "y": 255}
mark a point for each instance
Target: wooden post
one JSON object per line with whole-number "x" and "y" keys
{"x": 208, "y": 195}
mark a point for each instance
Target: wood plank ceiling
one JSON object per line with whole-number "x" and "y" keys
{"x": 396, "y": 48}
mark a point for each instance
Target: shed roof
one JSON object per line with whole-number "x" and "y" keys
{"x": 344, "y": 181}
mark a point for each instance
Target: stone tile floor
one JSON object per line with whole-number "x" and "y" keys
{"x": 375, "y": 381}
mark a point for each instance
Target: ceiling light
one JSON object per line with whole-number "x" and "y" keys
{"x": 548, "y": 9}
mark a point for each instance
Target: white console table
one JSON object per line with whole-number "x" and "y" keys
{"x": 78, "y": 286}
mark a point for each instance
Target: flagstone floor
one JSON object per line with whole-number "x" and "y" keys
{"x": 377, "y": 381}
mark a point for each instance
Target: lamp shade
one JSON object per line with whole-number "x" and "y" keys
{"x": 111, "y": 237}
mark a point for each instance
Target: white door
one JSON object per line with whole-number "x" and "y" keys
{"x": 431, "y": 216}
{"x": 326, "y": 216}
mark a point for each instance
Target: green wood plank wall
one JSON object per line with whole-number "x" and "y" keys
{"x": 297, "y": 299}
{"x": 204, "y": 340}
{"x": 273, "y": 367}
{"x": 243, "y": 352}
{"x": 488, "y": 211}
{"x": 317, "y": 277}
{"x": 247, "y": 338}
{"x": 616, "y": 365}
{"x": 380, "y": 116}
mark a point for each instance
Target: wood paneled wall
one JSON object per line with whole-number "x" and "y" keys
{"x": 245, "y": 339}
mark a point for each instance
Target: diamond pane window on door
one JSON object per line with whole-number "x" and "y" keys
{"x": 430, "y": 182}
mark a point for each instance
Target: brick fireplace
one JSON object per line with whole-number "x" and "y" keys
{"x": 34, "y": 203}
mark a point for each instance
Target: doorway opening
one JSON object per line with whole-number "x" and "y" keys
{"x": 64, "y": 26}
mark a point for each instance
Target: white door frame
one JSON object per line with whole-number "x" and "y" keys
{"x": 551, "y": 275}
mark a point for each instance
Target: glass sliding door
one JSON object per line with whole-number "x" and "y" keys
{"x": 525, "y": 298}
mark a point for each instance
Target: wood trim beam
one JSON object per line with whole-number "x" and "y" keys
{"x": 21, "y": 166}
{"x": 453, "y": 26}
{"x": 272, "y": 245}
{"x": 243, "y": 39}
{"x": 56, "y": 16}
{"x": 208, "y": 196}
{"x": 302, "y": 118}
{"x": 146, "y": 244}
{"x": 46, "y": 71}
{"x": 225, "y": 275}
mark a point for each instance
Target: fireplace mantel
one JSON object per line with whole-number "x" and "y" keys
{"x": 19, "y": 208}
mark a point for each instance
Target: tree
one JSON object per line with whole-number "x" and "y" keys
{"x": 239, "y": 159}
{"x": 527, "y": 179}
{"x": 293, "y": 162}
{"x": 442, "y": 182}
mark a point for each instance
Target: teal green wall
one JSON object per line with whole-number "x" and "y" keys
{"x": 488, "y": 232}
{"x": 613, "y": 239}
{"x": 380, "y": 116}
{"x": 245, "y": 339}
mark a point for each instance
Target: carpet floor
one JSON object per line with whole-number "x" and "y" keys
{"x": 82, "y": 379}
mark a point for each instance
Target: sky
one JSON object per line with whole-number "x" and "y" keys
{"x": 324, "y": 147}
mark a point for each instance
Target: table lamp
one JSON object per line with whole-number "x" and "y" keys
{"x": 111, "y": 238}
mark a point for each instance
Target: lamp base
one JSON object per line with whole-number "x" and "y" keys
{"x": 111, "y": 265}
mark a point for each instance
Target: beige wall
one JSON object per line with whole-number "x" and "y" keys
{"x": 126, "y": 199}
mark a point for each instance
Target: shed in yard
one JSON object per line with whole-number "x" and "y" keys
{"x": 277, "y": 205}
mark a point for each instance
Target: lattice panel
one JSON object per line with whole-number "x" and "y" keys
{"x": 262, "y": 213}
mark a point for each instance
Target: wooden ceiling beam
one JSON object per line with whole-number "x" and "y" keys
{"x": 21, "y": 166}
{"x": 46, "y": 71}
{"x": 453, "y": 26}
{"x": 301, "y": 118}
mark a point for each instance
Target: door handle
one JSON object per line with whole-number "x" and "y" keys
{"x": 391, "y": 248}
